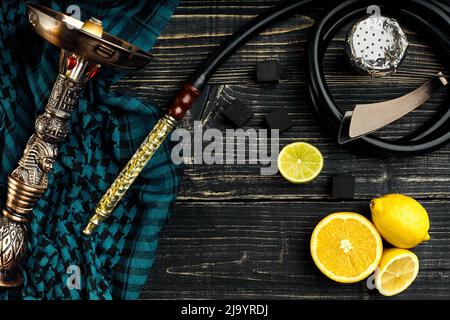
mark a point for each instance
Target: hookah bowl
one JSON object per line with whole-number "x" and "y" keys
{"x": 84, "y": 48}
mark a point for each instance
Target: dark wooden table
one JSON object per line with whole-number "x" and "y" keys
{"x": 236, "y": 234}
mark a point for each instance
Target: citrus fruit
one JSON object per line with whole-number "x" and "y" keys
{"x": 300, "y": 162}
{"x": 398, "y": 269}
{"x": 346, "y": 247}
{"x": 401, "y": 220}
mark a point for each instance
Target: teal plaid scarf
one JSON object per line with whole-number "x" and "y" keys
{"x": 105, "y": 130}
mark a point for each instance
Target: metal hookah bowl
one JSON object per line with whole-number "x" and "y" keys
{"x": 376, "y": 45}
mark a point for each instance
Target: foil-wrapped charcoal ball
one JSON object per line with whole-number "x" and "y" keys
{"x": 376, "y": 45}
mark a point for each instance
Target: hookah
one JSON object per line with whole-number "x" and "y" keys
{"x": 84, "y": 48}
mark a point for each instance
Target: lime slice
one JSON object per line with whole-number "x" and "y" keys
{"x": 300, "y": 162}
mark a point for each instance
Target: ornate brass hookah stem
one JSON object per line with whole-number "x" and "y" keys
{"x": 30, "y": 179}
{"x": 28, "y": 182}
{"x": 85, "y": 46}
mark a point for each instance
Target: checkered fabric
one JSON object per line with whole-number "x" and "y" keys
{"x": 105, "y": 130}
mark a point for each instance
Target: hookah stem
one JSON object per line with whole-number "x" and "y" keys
{"x": 29, "y": 180}
{"x": 176, "y": 111}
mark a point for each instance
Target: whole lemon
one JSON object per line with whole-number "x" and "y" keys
{"x": 401, "y": 220}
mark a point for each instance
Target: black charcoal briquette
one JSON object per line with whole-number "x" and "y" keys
{"x": 267, "y": 72}
{"x": 343, "y": 186}
{"x": 238, "y": 114}
{"x": 278, "y": 119}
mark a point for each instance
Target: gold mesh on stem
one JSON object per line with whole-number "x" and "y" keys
{"x": 130, "y": 172}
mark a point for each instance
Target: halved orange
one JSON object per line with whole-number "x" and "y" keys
{"x": 346, "y": 247}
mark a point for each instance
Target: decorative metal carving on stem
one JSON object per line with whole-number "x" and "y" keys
{"x": 84, "y": 48}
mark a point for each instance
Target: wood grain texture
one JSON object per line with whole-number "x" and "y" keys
{"x": 237, "y": 234}
{"x": 261, "y": 250}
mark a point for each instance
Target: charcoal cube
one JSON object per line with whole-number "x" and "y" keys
{"x": 278, "y": 119}
{"x": 238, "y": 114}
{"x": 267, "y": 72}
{"x": 343, "y": 186}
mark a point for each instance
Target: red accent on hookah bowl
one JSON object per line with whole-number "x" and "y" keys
{"x": 71, "y": 62}
{"x": 93, "y": 71}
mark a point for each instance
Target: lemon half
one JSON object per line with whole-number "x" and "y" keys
{"x": 300, "y": 162}
{"x": 398, "y": 269}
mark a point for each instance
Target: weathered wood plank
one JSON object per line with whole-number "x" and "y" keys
{"x": 374, "y": 176}
{"x": 261, "y": 250}
{"x": 185, "y": 44}
{"x": 236, "y": 234}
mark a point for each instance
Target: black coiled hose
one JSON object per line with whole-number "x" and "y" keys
{"x": 429, "y": 15}
{"x": 432, "y": 15}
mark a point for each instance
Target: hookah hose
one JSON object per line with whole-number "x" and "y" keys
{"x": 431, "y": 15}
